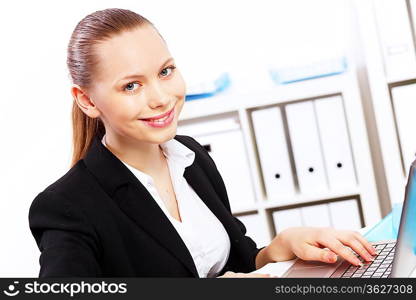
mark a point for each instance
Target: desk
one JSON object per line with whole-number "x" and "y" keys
{"x": 386, "y": 229}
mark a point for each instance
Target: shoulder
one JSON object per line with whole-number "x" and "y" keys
{"x": 63, "y": 196}
{"x": 64, "y": 204}
{"x": 72, "y": 177}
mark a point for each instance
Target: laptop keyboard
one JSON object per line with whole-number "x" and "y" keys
{"x": 379, "y": 268}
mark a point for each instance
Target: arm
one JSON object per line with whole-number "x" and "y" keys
{"x": 262, "y": 258}
{"x": 67, "y": 242}
{"x": 280, "y": 252}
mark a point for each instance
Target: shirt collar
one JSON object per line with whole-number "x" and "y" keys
{"x": 173, "y": 150}
{"x": 177, "y": 151}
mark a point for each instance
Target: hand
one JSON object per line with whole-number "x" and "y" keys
{"x": 230, "y": 274}
{"x": 307, "y": 243}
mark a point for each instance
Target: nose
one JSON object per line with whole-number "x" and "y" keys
{"x": 156, "y": 96}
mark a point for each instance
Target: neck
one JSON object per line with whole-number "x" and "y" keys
{"x": 146, "y": 157}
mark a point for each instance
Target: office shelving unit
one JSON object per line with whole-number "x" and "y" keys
{"x": 237, "y": 106}
{"x": 388, "y": 57}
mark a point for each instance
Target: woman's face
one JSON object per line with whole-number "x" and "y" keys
{"x": 136, "y": 79}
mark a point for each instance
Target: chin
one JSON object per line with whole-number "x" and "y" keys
{"x": 163, "y": 137}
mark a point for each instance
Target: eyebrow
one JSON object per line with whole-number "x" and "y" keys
{"x": 139, "y": 75}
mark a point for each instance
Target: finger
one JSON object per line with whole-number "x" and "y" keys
{"x": 336, "y": 246}
{"x": 254, "y": 275}
{"x": 370, "y": 248}
{"x": 356, "y": 245}
{"x": 314, "y": 253}
{"x": 259, "y": 275}
{"x": 227, "y": 274}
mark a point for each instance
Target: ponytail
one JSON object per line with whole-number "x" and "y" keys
{"x": 84, "y": 129}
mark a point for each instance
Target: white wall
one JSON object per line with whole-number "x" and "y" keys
{"x": 204, "y": 36}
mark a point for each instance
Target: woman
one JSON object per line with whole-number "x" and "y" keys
{"x": 140, "y": 200}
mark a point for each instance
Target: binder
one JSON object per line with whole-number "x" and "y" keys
{"x": 224, "y": 141}
{"x": 396, "y": 39}
{"x": 318, "y": 69}
{"x": 316, "y": 215}
{"x": 208, "y": 88}
{"x": 404, "y": 109}
{"x": 273, "y": 152}
{"x": 306, "y": 147}
{"x": 345, "y": 214}
{"x": 335, "y": 142}
{"x": 287, "y": 218}
{"x": 256, "y": 229}
{"x": 206, "y": 125}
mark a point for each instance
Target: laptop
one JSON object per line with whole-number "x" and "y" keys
{"x": 396, "y": 258}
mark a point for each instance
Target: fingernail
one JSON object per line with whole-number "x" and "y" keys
{"x": 331, "y": 257}
{"x": 369, "y": 258}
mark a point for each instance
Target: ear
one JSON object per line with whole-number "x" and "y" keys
{"x": 84, "y": 102}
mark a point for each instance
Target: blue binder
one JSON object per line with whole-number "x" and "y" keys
{"x": 316, "y": 70}
{"x": 219, "y": 85}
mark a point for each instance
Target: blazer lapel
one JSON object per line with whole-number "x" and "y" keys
{"x": 199, "y": 181}
{"x": 135, "y": 201}
{"x": 138, "y": 204}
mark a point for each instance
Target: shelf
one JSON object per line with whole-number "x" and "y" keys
{"x": 299, "y": 200}
{"x": 306, "y": 199}
{"x": 232, "y": 99}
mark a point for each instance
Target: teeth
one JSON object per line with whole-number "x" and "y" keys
{"x": 159, "y": 120}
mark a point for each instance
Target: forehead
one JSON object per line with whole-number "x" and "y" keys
{"x": 141, "y": 50}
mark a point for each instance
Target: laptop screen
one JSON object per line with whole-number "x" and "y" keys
{"x": 405, "y": 256}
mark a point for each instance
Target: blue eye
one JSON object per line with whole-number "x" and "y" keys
{"x": 171, "y": 68}
{"x": 130, "y": 86}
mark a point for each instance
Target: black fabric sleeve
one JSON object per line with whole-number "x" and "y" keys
{"x": 68, "y": 244}
{"x": 251, "y": 243}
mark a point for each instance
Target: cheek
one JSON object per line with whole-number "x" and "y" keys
{"x": 181, "y": 96}
{"x": 119, "y": 108}
{"x": 179, "y": 86}
{"x": 179, "y": 106}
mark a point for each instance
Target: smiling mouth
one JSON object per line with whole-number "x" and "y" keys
{"x": 162, "y": 122}
{"x": 162, "y": 117}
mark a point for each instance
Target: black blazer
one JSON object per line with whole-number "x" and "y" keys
{"x": 98, "y": 220}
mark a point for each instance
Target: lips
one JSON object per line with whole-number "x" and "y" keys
{"x": 162, "y": 122}
{"x": 158, "y": 117}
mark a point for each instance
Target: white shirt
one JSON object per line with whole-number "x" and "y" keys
{"x": 202, "y": 232}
